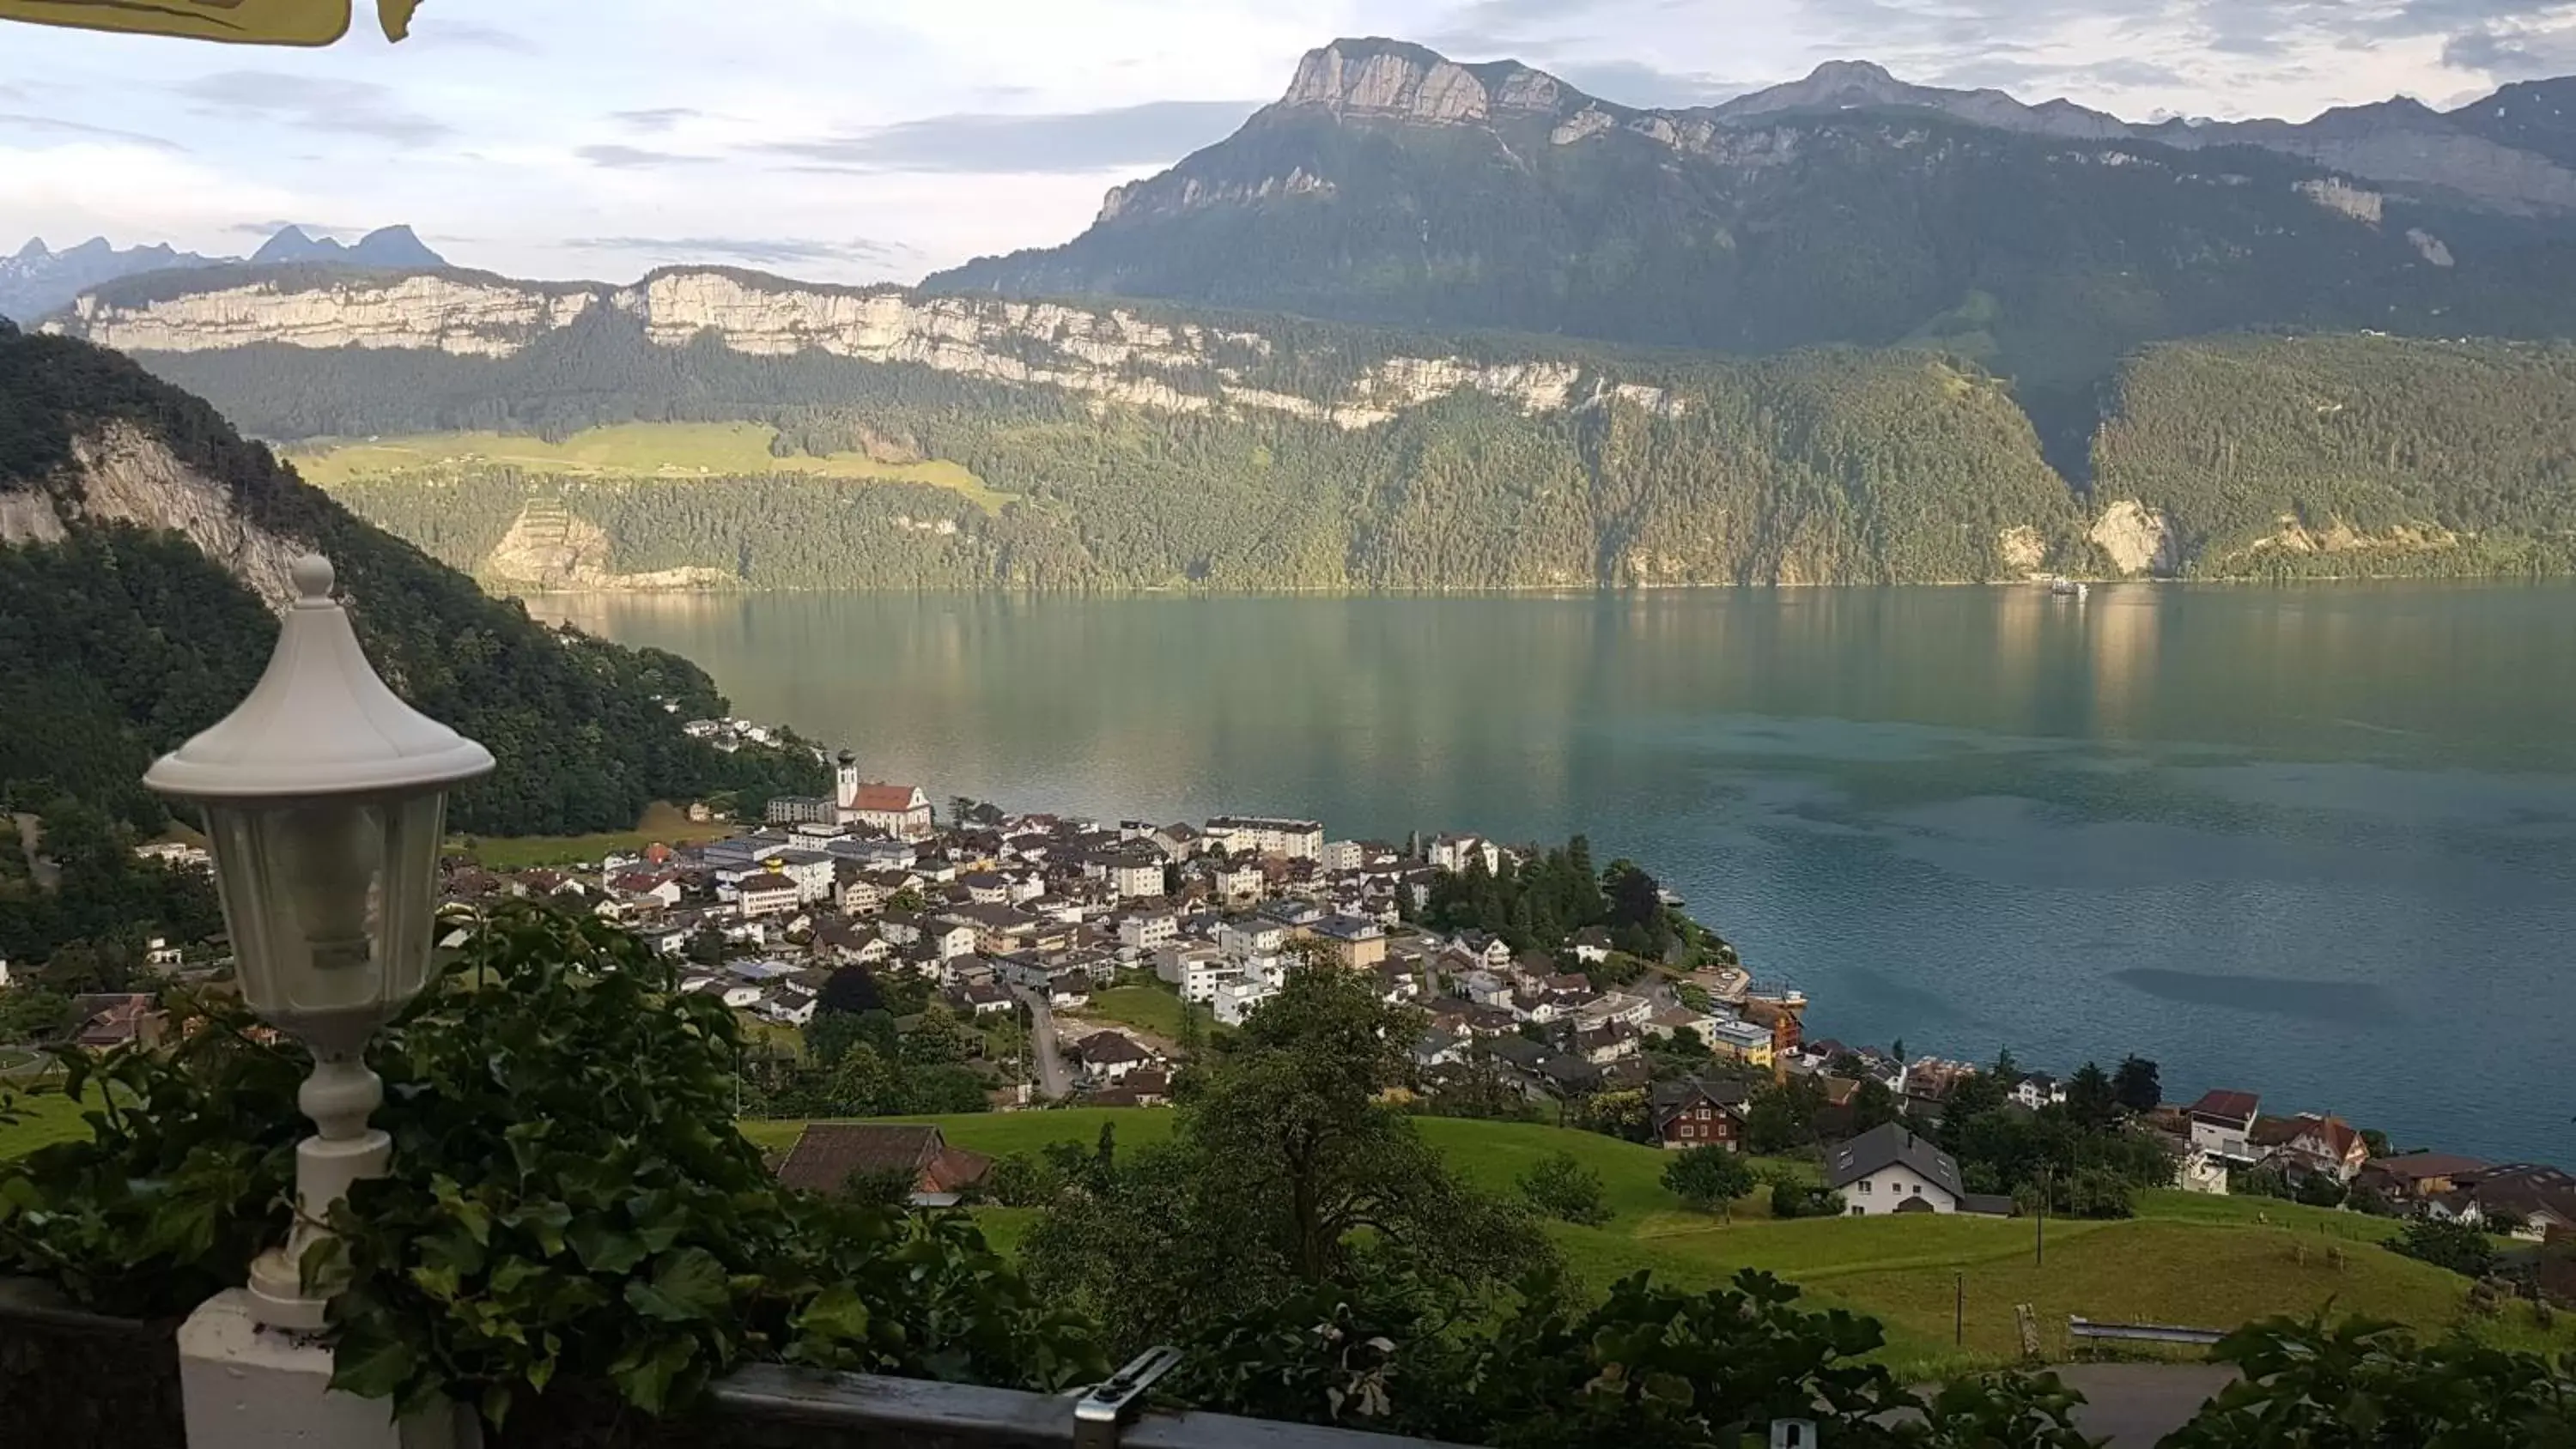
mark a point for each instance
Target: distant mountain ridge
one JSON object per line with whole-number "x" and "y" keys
{"x": 387, "y": 247}
{"x": 37, "y": 280}
{"x": 1393, "y": 186}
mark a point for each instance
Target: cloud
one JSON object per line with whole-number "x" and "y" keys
{"x": 439, "y": 33}
{"x": 656, "y": 120}
{"x": 1154, "y": 133}
{"x": 1632, "y": 84}
{"x": 55, "y": 126}
{"x": 267, "y": 229}
{"x": 326, "y": 106}
{"x": 2513, "y": 52}
{"x": 631, "y": 158}
{"x": 759, "y": 251}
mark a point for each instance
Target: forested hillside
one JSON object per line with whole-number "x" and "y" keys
{"x": 2350, "y": 455}
{"x": 117, "y": 641}
{"x": 1815, "y": 467}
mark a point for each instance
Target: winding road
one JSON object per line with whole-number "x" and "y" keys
{"x": 1055, "y": 1080}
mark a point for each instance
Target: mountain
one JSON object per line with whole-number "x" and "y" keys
{"x": 37, "y": 279}
{"x": 891, "y": 439}
{"x": 144, "y": 549}
{"x": 1391, "y": 185}
{"x": 388, "y": 247}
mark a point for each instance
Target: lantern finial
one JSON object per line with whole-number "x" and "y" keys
{"x": 311, "y": 574}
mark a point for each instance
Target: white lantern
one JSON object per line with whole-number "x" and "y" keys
{"x": 325, "y": 797}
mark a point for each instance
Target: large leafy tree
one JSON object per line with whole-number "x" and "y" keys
{"x": 1285, "y": 1174}
{"x": 2137, "y": 1084}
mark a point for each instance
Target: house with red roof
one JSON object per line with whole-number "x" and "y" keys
{"x": 901, "y": 811}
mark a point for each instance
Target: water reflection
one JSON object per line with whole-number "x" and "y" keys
{"x": 1966, "y": 816}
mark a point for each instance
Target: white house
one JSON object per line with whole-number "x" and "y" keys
{"x": 1239, "y": 882}
{"x": 1890, "y": 1170}
{"x": 768, "y": 893}
{"x": 811, "y": 870}
{"x": 1195, "y": 970}
{"x": 2221, "y": 1122}
{"x": 1343, "y": 855}
{"x": 2039, "y": 1090}
{"x": 1136, "y": 879}
{"x": 1112, "y": 1055}
{"x": 1452, "y": 852}
{"x": 953, "y": 938}
{"x": 1146, "y": 930}
{"x": 1236, "y": 996}
{"x": 1267, "y": 835}
{"x": 1258, "y": 936}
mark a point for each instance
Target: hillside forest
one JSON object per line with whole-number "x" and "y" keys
{"x": 2254, "y": 456}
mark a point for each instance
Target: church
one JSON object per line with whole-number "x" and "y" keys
{"x": 901, "y": 811}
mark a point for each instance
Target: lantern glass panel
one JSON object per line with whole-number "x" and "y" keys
{"x": 329, "y": 901}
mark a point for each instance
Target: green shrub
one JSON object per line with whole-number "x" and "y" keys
{"x": 1565, "y": 1189}
{"x": 2362, "y": 1385}
{"x": 569, "y": 1200}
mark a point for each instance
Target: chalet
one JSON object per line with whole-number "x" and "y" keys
{"x": 1591, "y": 945}
{"x": 119, "y": 1019}
{"x": 1890, "y": 1170}
{"x": 980, "y": 998}
{"x": 829, "y": 1155}
{"x": 2421, "y": 1175}
{"x": 2309, "y": 1146}
{"x": 1696, "y": 1113}
{"x": 1603, "y": 1045}
{"x": 1112, "y": 1055}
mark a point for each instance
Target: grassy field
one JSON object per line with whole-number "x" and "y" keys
{"x": 42, "y": 1122}
{"x": 664, "y": 823}
{"x": 2186, "y": 1259}
{"x": 1147, "y": 1008}
{"x": 625, "y": 450}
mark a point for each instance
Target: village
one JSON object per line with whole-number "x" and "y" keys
{"x": 1093, "y": 958}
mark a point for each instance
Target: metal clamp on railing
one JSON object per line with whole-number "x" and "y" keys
{"x": 1113, "y": 1402}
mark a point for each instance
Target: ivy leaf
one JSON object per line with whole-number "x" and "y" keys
{"x": 602, "y": 1248}
{"x": 836, "y": 1313}
{"x": 369, "y": 1363}
{"x": 688, "y": 1287}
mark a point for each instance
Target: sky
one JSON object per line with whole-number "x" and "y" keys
{"x": 857, "y": 140}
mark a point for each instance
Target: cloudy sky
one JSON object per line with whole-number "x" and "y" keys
{"x": 859, "y": 140}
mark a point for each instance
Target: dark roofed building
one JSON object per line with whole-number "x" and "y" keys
{"x": 829, "y": 1154}
{"x": 1696, "y": 1113}
{"x": 1889, "y": 1169}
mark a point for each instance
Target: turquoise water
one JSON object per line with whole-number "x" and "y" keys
{"x": 2316, "y": 842}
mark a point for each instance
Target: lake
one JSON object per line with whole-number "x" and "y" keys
{"x": 2317, "y": 842}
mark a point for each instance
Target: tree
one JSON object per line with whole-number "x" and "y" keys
{"x": 935, "y": 1040}
{"x": 2136, "y": 1084}
{"x": 1873, "y": 1105}
{"x": 1563, "y": 1188}
{"x": 2092, "y": 1102}
{"x": 2457, "y": 1246}
{"x": 2006, "y": 1070}
{"x": 1285, "y": 1175}
{"x": 1896, "y": 1049}
{"x": 32, "y": 1013}
{"x": 850, "y": 990}
{"x": 907, "y": 900}
{"x": 1709, "y": 1179}
{"x": 1782, "y": 1117}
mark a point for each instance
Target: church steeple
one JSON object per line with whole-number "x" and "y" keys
{"x": 846, "y": 781}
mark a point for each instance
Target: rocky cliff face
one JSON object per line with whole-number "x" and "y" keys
{"x": 123, "y": 474}
{"x": 1393, "y": 79}
{"x": 1114, "y": 354}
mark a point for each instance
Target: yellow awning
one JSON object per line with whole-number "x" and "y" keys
{"x": 242, "y": 22}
